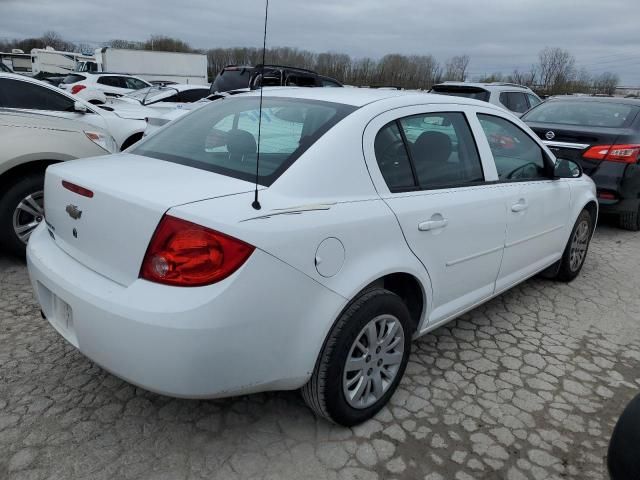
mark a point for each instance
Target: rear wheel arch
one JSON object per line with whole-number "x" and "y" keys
{"x": 592, "y": 208}
{"x": 407, "y": 287}
{"x": 24, "y": 169}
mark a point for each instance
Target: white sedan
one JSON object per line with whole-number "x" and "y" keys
{"x": 18, "y": 92}
{"x": 380, "y": 215}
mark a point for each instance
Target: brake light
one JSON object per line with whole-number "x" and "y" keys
{"x": 614, "y": 153}
{"x": 76, "y": 88}
{"x": 606, "y": 195}
{"x": 85, "y": 192}
{"x": 185, "y": 254}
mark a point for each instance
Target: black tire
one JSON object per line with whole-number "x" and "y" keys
{"x": 8, "y": 203}
{"x": 324, "y": 392}
{"x": 568, "y": 271}
{"x": 629, "y": 221}
{"x": 623, "y": 461}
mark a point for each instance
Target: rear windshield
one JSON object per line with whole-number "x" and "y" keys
{"x": 231, "y": 79}
{"x": 588, "y": 114}
{"x": 222, "y": 137}
{"x": 476, "y": 93}
{"x": 73, "y": 78}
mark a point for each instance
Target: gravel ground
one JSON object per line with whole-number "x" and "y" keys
{"x": 527, "y": 386}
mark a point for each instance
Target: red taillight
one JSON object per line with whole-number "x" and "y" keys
{"x": 85, "y": 192}
{"x": 76, "y": 88}
{"x": 606, "y": 195}
{"x": 614, "y": 153}
{"x": 185, "y": 254}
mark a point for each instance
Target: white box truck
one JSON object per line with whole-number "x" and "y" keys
{"x": 150, "y": 65}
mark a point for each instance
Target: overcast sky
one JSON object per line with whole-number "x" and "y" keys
{"x": 498, "y": 35}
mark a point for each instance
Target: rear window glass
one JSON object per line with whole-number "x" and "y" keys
{"x": 231, "y": 79}
{"x": 476, "y": 93}
{"x": 222, "y": 137}
{"x": 588, "y": 114}
{"x": 73, "y": 78}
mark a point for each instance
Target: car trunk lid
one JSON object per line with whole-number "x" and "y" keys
{"x": 108, "y": 225}
{"x": 571, "y": 142}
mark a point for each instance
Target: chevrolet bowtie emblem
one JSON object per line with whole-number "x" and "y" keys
{"x": 74, "y": 212}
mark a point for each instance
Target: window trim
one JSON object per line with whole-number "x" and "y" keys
{"x": 417, "y": 187}
{"x": 549, "y": 166}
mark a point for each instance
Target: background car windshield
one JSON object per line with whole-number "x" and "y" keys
{"x": 591, "y": 114}
{"x": 151, "y": 94}
{"x": 222, "y": 137}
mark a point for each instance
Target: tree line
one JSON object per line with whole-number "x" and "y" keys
{"x": 555, "y": 71}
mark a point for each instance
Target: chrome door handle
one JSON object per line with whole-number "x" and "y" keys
{"x": 521, "y": 206}
{"x": 433, "y": 225}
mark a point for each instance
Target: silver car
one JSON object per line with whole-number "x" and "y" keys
{"x": 29, "y": 144}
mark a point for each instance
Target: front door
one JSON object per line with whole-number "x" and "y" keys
{"x": 537, "y": 220}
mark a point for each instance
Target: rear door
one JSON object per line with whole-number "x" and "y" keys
{"x": 537, "y": 206}
{"x": 426, "y": 166}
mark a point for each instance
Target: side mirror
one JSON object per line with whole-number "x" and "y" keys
{"x": 567, "y": 169}
{"x": 79, "y": 107}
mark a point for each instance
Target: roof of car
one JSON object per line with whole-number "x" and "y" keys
{"x": 359, "y": 97}
{"x": 580, "y": 98}
{"x": 500, "y": 85}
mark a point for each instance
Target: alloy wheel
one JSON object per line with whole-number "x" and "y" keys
{"x": 28, "y": 215}
{"x": 373, "y": 361}
{"x": 579, "y": 244}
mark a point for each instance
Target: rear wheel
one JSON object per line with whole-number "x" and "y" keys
{"x": 21, "y": 211}
{"x": 630, "y": 221}
{"x": 363, "y": 359}
{"x": 575, "y": 252}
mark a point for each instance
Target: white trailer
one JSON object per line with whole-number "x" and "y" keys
{"x": 50, "y": 61}
{"x": 17, "y": 60}
{"x": 151, "y": 65}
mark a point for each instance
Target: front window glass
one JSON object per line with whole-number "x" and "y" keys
{"x": 584, "y": 113}
{"x": 533, "y": 100}
{"x": 223, "y": 137}
{"x": 516, "y": 154}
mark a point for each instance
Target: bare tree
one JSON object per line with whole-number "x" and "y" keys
{"x": 456, "y": 68}
{"x": 606, "y": 83}
{"x": 55, "y": 40}
{"x": 556, "y": 69}
{"x": 523, "y": 78}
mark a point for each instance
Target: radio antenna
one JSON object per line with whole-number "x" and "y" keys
{"x": 256, "y": 203}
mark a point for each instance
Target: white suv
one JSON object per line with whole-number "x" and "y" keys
{"x": 94, "y": 87}
{"x": 510, "y": 96}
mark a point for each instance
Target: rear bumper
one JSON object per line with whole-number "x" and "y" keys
{"x": 620, "y": 180}
{"x": 260, "y": 329}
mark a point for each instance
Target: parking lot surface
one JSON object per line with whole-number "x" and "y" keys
{"x": 527, "y": 386}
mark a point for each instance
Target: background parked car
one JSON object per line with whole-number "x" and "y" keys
{"x": 28, "y": 94}
{"x": 603, "y": 135}
{"x": 234, "y": 77}
{"x": 511, "y": 96}
{"x": 110, "y": 84}
{"x": 30, "y": 143}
